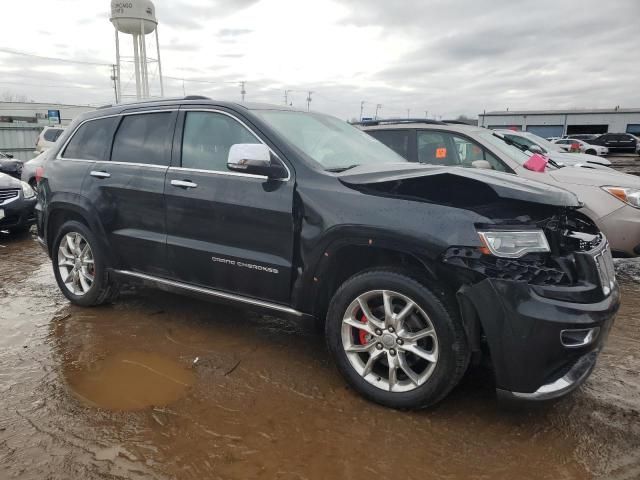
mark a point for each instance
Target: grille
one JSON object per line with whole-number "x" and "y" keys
{"x": 7, "y": 194}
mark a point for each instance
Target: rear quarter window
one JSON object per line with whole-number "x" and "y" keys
{"x": 92, "y": 140}
{"x": 397, "y": 140}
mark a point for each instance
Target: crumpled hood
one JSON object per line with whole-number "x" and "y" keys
{"x": 505, "y": 185}
{"x": 598, "y": 178}
{"x": 7, "y": 181}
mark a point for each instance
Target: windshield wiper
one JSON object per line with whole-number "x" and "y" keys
{"x": 524, "y": 149}
{"x": 341, "y": 169}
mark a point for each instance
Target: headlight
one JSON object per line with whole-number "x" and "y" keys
{"x": 514, "y": 244}
{"x": 630, "y": 196}
{"x": 27, "y": 191}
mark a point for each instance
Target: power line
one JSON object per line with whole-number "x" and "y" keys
{"x": 43, "y": 57}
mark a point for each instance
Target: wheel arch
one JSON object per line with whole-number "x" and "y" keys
{"x": 60, "y": 212}
{"x": 347, "y": 256}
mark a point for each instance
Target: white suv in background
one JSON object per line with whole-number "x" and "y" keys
{"x": 47, "y": 138}
{"x": 584, "y": 147}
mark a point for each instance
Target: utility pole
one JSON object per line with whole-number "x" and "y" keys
{"x": 426, "y": 114}
{"x": 309, "y": 100}
{"x": 114, "y": 79}
{"x": 408, "y": 113}
{"x": 378, "y": 107}
{"x": 361, "y": 109}
{"x": 286, "y": 97}
{"x": 242, "y": 90}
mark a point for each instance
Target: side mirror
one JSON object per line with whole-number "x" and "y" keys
{"x": 481, "y": 164}
{"x": 253, "y": 158}
{"x": 536, "y": 149}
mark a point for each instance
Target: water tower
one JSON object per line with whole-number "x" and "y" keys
{"x": 138, "y": 19}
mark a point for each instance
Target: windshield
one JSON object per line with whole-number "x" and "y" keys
{"x": 498, "y": 142}
{"x": 543, "y": 142}
{"x": 332, "y": 143}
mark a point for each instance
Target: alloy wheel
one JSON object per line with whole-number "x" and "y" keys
{"x": 76, "y": 263}
{"x": 389, "y": 340}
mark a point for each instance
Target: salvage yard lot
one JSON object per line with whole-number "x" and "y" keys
{"x": 215, "y": 392}
{"x": 161, "y": 386}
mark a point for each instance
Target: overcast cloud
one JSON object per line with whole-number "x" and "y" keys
{"x": 445, "y": 57}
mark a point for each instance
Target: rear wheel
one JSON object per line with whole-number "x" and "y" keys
{"x": 394, "y": 340}
{"x": 79, "y": 266}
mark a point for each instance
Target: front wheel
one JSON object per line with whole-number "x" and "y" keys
{"x": 394, "y": 341}
{"x": 591, "y": 152}
{"x": 79, "y": 266}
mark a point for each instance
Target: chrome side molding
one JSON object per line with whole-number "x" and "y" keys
{"x": 213, "y": 293}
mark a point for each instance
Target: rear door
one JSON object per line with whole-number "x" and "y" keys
{"x": 226, "y": 230}
{"x": 128, "y": 190}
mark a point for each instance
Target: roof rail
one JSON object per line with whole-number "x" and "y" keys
{"x": 152, "y": 100}
{"x": 196, "y": 97}
{"x": 391, "y": 121}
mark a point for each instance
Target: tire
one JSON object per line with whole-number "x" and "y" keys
{"x": 430, "y": 380}
{"x": 101, "y": 289}
{"x": 591, "y": 152}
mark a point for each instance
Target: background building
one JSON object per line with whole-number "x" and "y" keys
{"x": 22, "y": 122}
{"x": 555, "y": 123}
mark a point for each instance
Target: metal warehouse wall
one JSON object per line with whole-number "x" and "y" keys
{"x": 556, "y": 123}
{"x": 22, "y": 122}
{"x": 19, "y": 139}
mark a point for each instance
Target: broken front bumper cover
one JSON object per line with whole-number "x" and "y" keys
{"x": 560, "y": 387}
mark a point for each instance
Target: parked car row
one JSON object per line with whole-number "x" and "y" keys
{"x": 415, "y": 261}
{"x": 594, "y": 144}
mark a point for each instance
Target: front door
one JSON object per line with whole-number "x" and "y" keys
{"x": 226, "y": 230}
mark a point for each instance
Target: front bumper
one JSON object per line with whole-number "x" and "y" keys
{"x": 18, "y": 213}
{"x": 622, "y": 229}
{"x": 524, "y": 334}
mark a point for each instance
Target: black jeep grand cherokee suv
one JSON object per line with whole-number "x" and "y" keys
{"x": 413, "y": 269}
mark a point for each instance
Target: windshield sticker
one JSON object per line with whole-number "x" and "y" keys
{"x": 441, "y": 153}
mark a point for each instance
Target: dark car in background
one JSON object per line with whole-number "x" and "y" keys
{"x": 411, "y": 269}
{"x": 617, "y": 142}
{"x": 10, "y": 165}
{"x": 17, "y": 204}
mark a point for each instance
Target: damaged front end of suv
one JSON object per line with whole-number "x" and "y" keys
{"x": 534, "y": 281}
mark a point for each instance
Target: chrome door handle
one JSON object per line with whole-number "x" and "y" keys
{"x": 183, "y": 184}
{"x": 99, "y": 174}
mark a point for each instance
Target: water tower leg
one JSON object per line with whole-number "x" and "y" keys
{"x": 143, "y": 61}
{"x": 118, "y": 90}
{"x": 136, "y": 63}
{"x": 159, "y": 64}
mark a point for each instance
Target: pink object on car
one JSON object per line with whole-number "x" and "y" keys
{"x": 536, "y": 163}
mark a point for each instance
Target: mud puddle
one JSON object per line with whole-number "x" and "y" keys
{"x": 161, "y": 386}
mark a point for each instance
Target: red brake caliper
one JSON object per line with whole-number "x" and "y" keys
{"x": 362, "y": 335}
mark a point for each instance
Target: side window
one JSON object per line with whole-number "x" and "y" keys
{"x": 92, "y": 140}
{"x": 434, "y": 148}
{"x": 469, "y": 152}
{"x": 52, "y": 134}
{"x": 397, "y": 140}
{"x": 442, "y": 148}
{"x": 207, "y": 138}
{"x": 143, "y": 138}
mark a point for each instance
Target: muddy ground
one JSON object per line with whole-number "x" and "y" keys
{"x": 162, "y": 386}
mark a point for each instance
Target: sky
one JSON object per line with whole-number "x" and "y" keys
{"x": 411, "y": 57}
